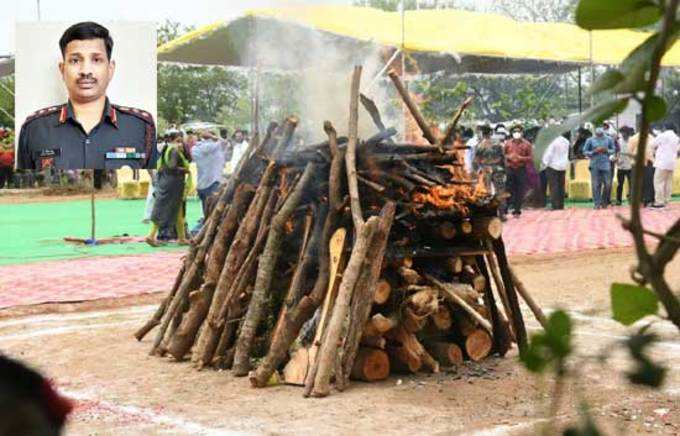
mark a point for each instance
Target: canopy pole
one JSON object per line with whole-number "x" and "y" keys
{"x": 255, "y": 105}
{"x": 592, "y": 67}
{"x": 580, "y": 92}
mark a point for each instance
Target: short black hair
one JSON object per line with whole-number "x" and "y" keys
{"x": 86, "y": 30}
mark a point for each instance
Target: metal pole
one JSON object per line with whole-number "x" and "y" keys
{"x": 580, "y": 92}
{"x": 38, "y": 1}
{"x": 592, "y": 67}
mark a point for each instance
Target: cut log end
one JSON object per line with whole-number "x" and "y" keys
{"x": 478, "y": 345}
{"x": 371, "y": 365}
{"x": 383, "y": 289}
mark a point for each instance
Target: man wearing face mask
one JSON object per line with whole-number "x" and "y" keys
{"x": 88, "y": 131}
{"x": 518, "y": 152}
{"x": 599, "y": 149}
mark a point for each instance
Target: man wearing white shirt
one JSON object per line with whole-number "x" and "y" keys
{"x": 666, "y": 147}
{"x": 239, "y": 147}
{"x": 555, "y": 161}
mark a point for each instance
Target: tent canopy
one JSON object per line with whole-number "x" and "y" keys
{"x": 451, "y": 40}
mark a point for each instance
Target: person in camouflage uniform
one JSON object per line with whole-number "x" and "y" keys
{"x": 489, "y": 159}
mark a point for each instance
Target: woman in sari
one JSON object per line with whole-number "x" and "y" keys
{"x": 173, "y": 182}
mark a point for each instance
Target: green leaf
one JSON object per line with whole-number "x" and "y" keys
{"x": 551, "y": 345}
{"x": 617, "y": 14}
{"x": 595, "y": 115}
{"x": 639, "y": 61}
{"x": 657, "y": 108}
{"x": 606, "y": 81}
{"x": 631, "y": 303}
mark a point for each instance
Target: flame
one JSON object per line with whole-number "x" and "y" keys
{"x": 451, "y": 197}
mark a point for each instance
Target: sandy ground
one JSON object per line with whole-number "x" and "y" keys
{"x": 89, "y": 351}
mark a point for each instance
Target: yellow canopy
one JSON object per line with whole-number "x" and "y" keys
{"x": 486, "y": 42}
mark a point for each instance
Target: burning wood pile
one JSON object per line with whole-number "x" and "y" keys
{"x": 345, "y": 260}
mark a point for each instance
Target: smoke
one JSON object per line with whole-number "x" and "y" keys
{"x": 322, "y": 66}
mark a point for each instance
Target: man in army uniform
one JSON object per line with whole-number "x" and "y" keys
{"x": 88, "y": 131}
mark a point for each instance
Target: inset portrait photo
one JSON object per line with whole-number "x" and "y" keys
{"x": 85, "y": 95}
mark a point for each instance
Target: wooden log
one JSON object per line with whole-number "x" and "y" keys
{"x": 304, "y": 265}
{"x": 487, "y": 227}
{"x": 453, "y": 265}
{"x": 336, "y": 264}
{"x": 410, "y": 276}
{"x": 238, "y": 251}
{"x": 295, "y": 371}
{"x": 408, "y": 148}
{"x": 502, "y": 340}
{"x": 403, "y": 363}
{"x": 195, "y": 260}
{"x": 364, "y": 292}
{"x": 409, "y": 350}
{"x": 449, "y": 293}
{"x": 449, "y": 136}
{"x": 383, "y": 289}
{"x": 522, "y": 290}
{"x": 160, "y": 311}
{"x": 265, "y": 273}
{"x": 412, "y": 107}
{"x": 466, "y": 227}
{"x": 335, "y": 191}
{"x": 185, "y": 334}
{"x": 463, "y": 322}
{"x": 373, "y": 111}
{"x": 411, "y": 321}
{"x": 442, "y": 318}
{"x": 234, "y": 310}
{"x": 373, "y": 342}
{"x": 447, "y": 157}
{"x": 350, "y": 156}
{"x": 380, "y": 324}
{"x": 374, "y": 186}
{"x": 478, "y": 345}
{"x": 370, "y": 365}
{"x": 491, "y": 261}
{"x": 329, "y": 348}
{"x": 296, "y": 317}
{"x": 447, "y": 230}
{"x": 446, "y": 353}
{"x": 516, "y": 316}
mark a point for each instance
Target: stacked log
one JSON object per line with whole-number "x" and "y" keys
{"x": 344, "y": 260}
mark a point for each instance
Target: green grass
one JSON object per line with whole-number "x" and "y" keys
{"x": 34, "y": 231}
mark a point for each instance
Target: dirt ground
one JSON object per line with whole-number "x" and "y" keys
{"x": 89, "y": 351}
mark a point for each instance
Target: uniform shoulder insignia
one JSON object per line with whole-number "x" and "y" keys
{"x": 43, "y": 112}
{"x": 142, "y": 115}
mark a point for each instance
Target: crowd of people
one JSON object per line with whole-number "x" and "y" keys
{"x": 505, "y": 161}
{"x": 215, "y": 157}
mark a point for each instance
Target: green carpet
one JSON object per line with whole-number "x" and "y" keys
{"x": 34, "y": 231}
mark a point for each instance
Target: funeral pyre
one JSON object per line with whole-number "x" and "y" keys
{"x": 350, "y": 259}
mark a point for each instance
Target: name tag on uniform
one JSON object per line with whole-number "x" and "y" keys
{"x": 125, "y": 153}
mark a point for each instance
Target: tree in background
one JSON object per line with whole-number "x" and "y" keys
{"x": 7, "y": 101}
{"x": 191, "y": 93}
{"x": 498, "y": 98}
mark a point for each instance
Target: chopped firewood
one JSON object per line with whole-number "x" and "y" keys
{"x": 478, "y": 344}
{"x": 442, "y": 319}
{"x": 410, "y": 276}
{"x": 454, "y": 265}
{"x": 268, "y": 281}
{"x": 374, "y": 342}
{"x": 370, "y": 365}
{"x": 487, "y": 227}
{"x": 446, "y": 353}
{"x": 447, "y": 230}
{"x": 383, "y": 289}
